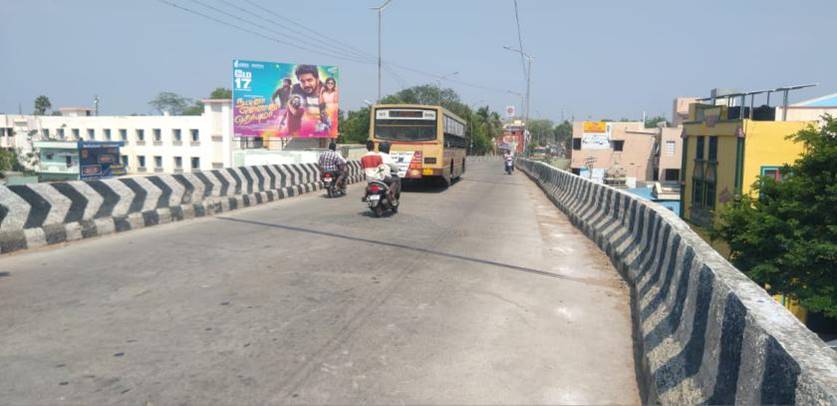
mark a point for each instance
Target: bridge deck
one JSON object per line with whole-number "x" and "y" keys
{"x": 483, "y": 293}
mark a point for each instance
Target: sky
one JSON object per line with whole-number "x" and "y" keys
{"x": 593, "y": 59}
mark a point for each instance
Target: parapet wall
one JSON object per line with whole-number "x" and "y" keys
{"x": 706, "y": 332}
{"x": 50, "y": 213}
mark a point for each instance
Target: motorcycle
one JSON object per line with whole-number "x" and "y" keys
{"x": 509, "y": 166}
{"x": 377, "y": 197}
{"x": 330, "y": 184}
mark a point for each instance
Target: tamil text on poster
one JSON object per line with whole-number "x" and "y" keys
{"x": 596, "y": 135}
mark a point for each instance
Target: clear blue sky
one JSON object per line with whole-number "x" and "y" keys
{"x": 593, "y": 58}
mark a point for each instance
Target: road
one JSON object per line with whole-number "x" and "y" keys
{"x": 483, "y": 293}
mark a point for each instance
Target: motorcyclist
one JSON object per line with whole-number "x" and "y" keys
{"x": 392, "y": 180}
{"x": 331, "y": 161}
{"x": 508, "y": 160}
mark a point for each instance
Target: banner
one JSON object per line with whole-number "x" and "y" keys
{"x": 596, "y": 135}
{"x": 284, "y": 100}
{"x": 99, "y": 159}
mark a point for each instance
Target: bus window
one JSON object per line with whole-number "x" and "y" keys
{"x": 405, "y": 125}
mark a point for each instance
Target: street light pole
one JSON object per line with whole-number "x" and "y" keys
{"x": 380, "y": 10}
{"x": 529, "y": 60}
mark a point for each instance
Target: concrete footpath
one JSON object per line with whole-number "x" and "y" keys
{"x": 483, "y": 293}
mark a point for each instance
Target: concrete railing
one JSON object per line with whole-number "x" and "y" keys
{"x": 50, "y": 213}
{"x": 705, "y": 332}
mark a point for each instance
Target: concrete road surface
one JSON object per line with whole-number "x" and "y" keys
{"x": 482, "y": 293}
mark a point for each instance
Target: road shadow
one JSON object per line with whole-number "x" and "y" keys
{"x": 424, "y": 185}
{"x": 4, "y": 274}
{"x": 422, "y": 250}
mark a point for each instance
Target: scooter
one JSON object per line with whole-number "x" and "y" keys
{"x": 509, "y": 166}
{"x": 377, "y": 197}
{"x": 331, "y": 187}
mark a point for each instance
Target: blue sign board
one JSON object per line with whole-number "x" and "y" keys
{"x": 100, "y": 159}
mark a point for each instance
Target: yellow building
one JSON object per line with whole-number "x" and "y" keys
{"x": 724, "y": 154}
{"x": 725, "y": 149}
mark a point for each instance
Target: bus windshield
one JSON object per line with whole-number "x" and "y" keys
{"x": 406, "y": 125}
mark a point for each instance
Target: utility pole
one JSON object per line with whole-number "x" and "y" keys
{"x": 380, "y": 10}
{"x": 529, "y": 60}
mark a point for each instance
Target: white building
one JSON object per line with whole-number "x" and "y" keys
{"x": 169, "y": 144}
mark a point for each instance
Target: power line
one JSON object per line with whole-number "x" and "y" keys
{"x": 313, "y": 41}
{"x": 306, "y": 28}
{"x": 519, "y": 38}
{"x": 271, "y": 38}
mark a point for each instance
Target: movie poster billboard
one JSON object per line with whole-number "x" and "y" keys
{"x": 99, "y": 159}
{"x": 596, "y": 135}
{"x": 280, "y": 100}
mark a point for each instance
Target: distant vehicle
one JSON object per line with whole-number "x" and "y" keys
{"x": 539, "y": 153}
{"x": 426, "y": 141}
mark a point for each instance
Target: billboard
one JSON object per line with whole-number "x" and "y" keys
{"x": 596, "y": 135}
{"x": 284, "y": 100}
{"x": 99, "y": 159}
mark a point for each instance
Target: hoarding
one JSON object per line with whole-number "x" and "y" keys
{"x": 99, "y": 159}
{"x": 596, "y": 135}
{"x": 283, "y": 100}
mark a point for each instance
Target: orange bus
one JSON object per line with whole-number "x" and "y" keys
{"x": 426, "y": 141}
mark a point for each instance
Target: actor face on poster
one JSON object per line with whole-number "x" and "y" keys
{"x": 284, "y": 100}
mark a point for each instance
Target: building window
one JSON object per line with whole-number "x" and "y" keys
{"x": 670, "y": 147}
{"x": 713, "y": 148}
{"x": 576, "y": 171}
{"x": 177, "y": 134}
{"x": 576, "y": 144}
{"x": 697, "y": 185}
{"x": 158, "y": 135}
{"x": 141, "y": 161}
{"x": 709, "y": 186}
{"x": 196, "y": 137}
{"x": 671, "y": 175}
{"x": 772, "y": 172}
{"x": 45, "y": 132}
{"x": 140, "y": 135}
{"x": 618, "y": 145}
{"x": 91, "y": 134}
{"x": 76, "y": 133}
{"x": 196, "y": 163}
{"x": 123, "y": 134}
{"x": 107, "y": 134}
{"x": 61, "y": 133}
{"x": 158, "y": 161}
{"x": 178, "y": 162}
{"x": 125, "y": 160}
{"x": 699, "y": 148}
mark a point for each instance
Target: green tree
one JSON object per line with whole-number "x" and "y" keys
{"x": 9, "y": 161}
{"x": 653, "y": 121}
{"x": 541, "y": 131}
{"x": 221, "y": 93}
{"x": 564, "y": 135}
{"x": 42, "y": 104}
{"x": 171, "y": 102}
{"x": 784, "y": 236}
{"x": 354, "y": 129}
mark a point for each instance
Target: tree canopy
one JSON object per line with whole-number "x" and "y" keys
{"x": 784, "y": 236}
{"x": 170, "y": 102}
{"x": 42, "y": 105}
